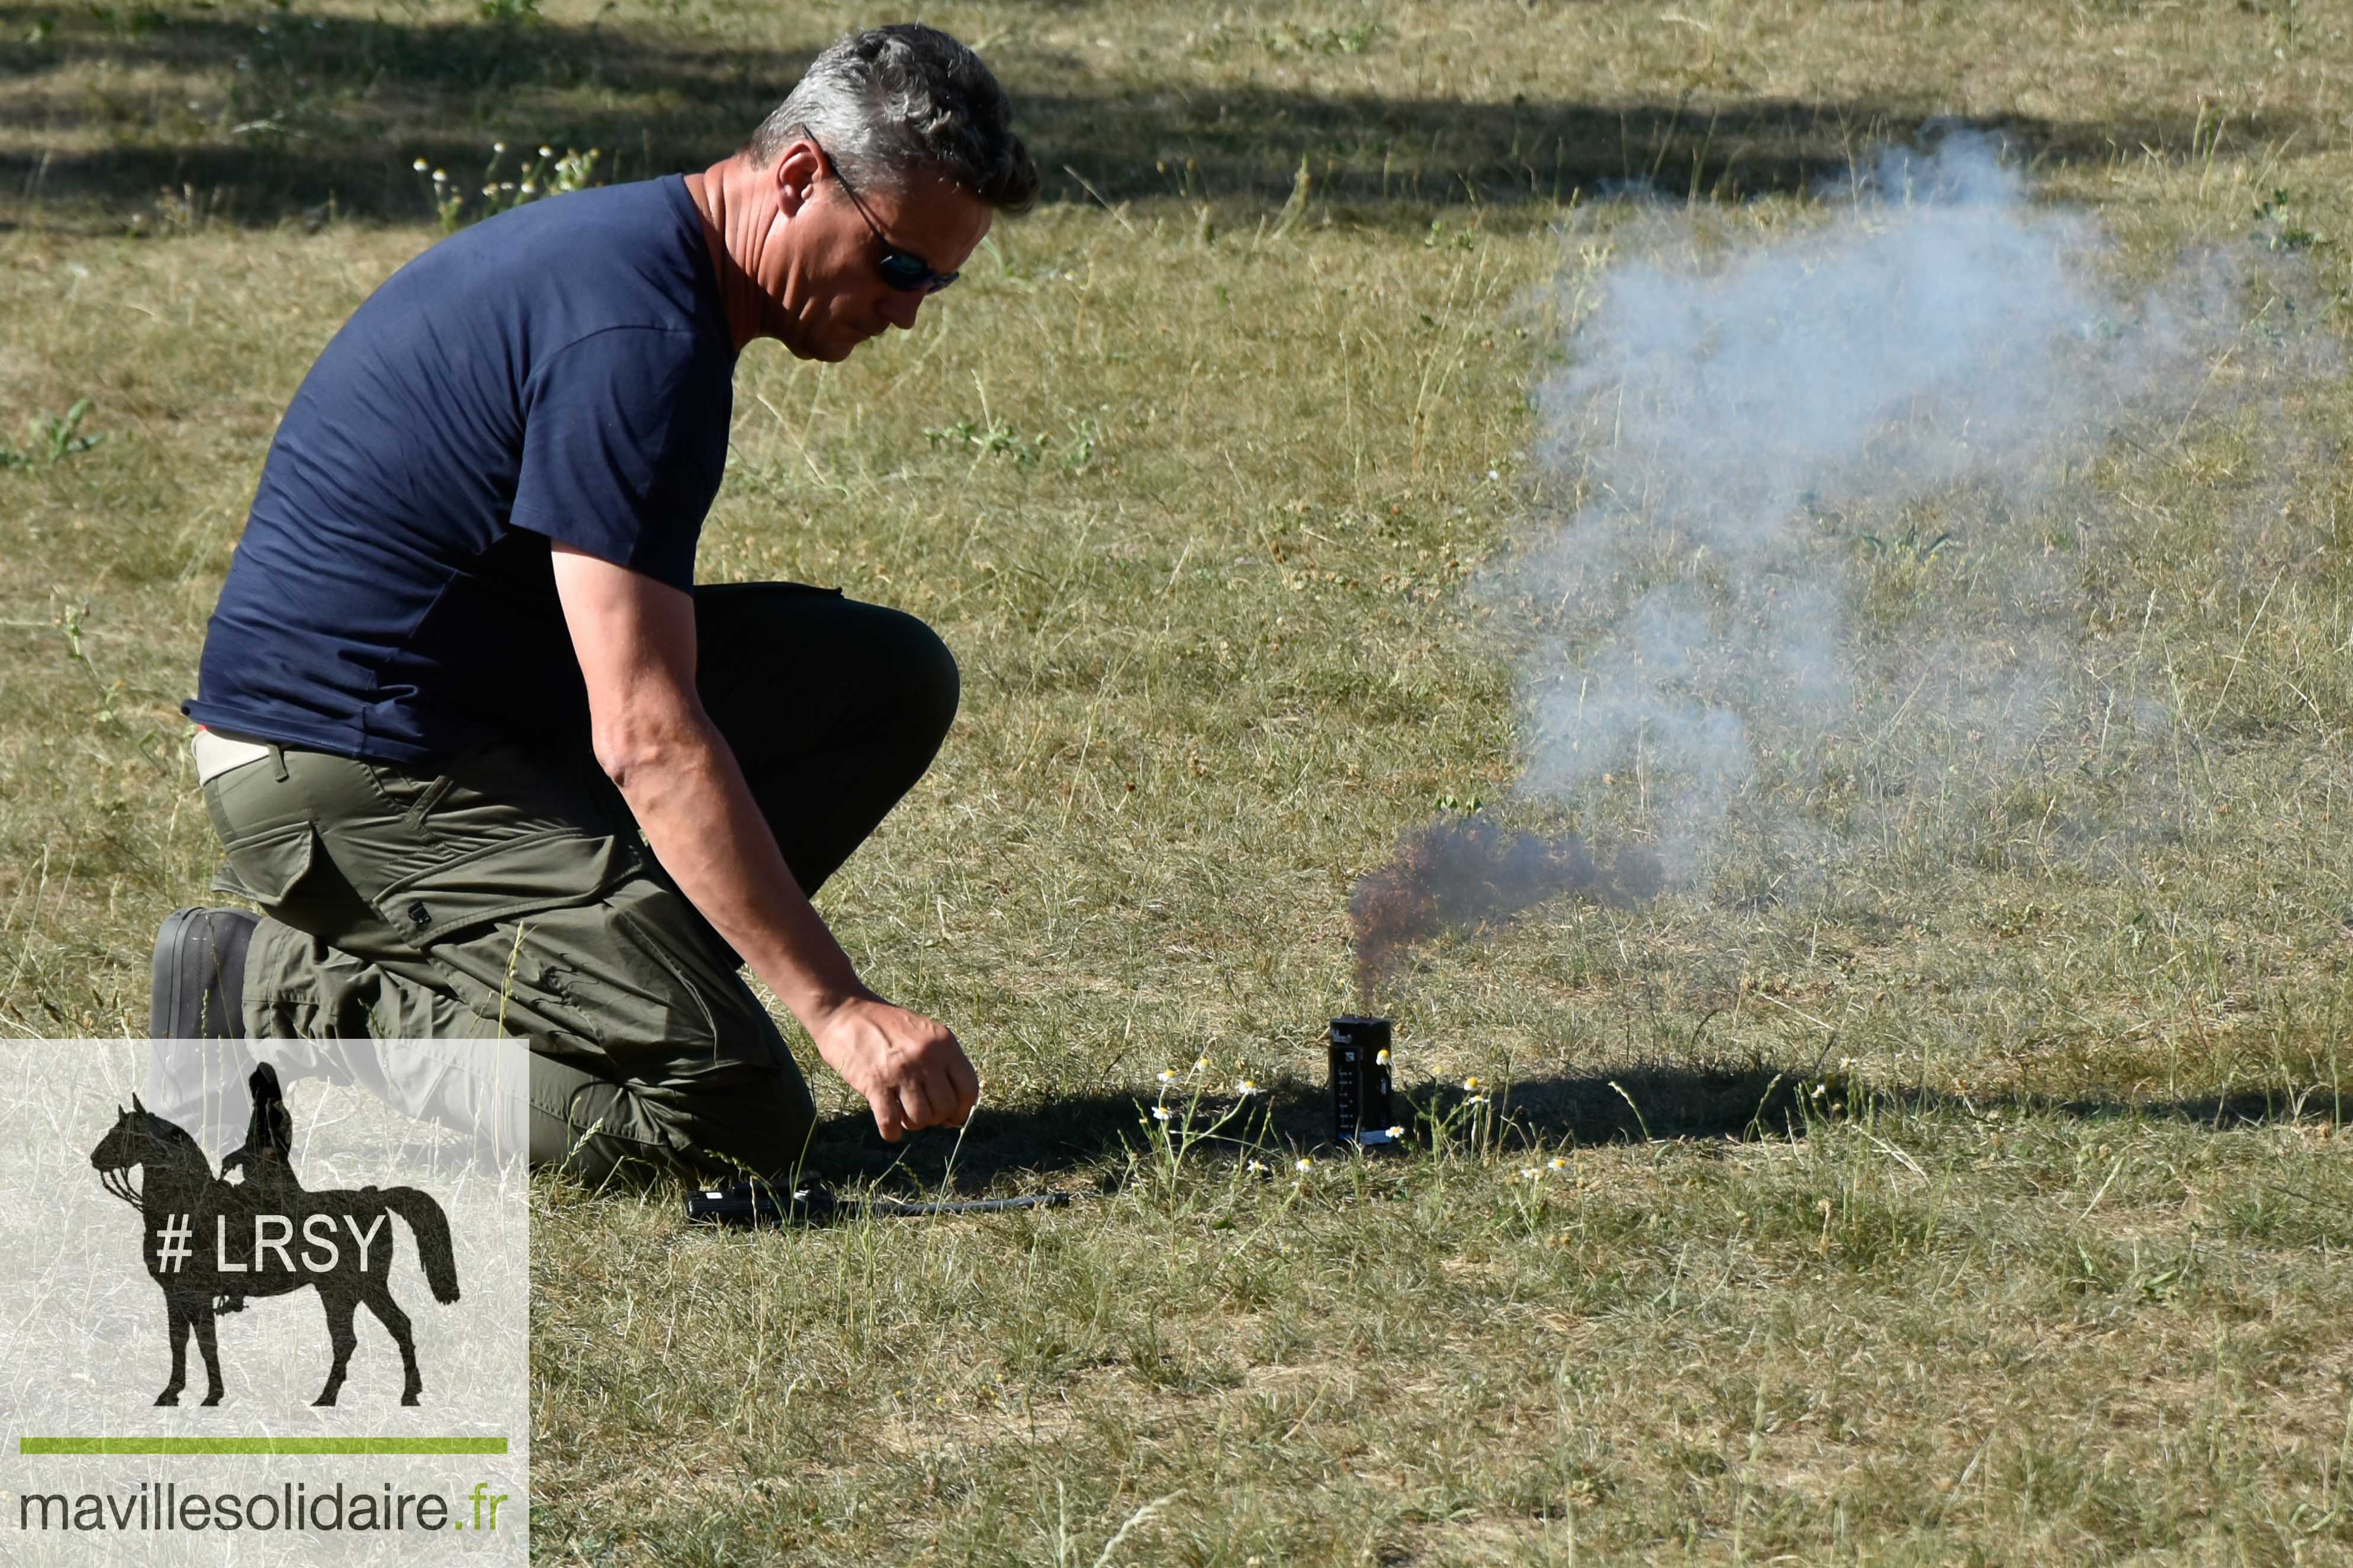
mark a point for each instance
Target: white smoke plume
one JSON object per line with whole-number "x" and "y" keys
{"x": 1806, "y": 579}
{"x": 1821, "y": 513}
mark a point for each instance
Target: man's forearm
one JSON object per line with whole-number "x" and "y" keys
{"x": 635, "y": 640}
{"x": 698, "y": 815}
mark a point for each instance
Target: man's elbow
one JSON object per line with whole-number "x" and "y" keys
{"x": 621, "y": 754}
{"x": 638, "y": 751}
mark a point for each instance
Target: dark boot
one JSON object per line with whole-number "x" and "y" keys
{"x": 198, "y": 1066}
{"x": 199, "y": 986}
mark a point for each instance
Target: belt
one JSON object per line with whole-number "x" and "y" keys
{"x": 217, "y": 754}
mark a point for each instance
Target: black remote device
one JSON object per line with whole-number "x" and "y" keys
{"x": 748, "y": 1205}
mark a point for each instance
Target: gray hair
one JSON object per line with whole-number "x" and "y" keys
{"x": 891, "y": 104}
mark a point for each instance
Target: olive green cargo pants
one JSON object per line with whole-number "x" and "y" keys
{"x": 507, "y": 892}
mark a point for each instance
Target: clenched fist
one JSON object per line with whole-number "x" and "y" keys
{"x": 910, "y": 1068}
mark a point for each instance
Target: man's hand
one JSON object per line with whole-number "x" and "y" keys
{"x": 910, "y": 1068}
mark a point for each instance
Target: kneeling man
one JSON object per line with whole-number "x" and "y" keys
{"x": 473, "y": 739}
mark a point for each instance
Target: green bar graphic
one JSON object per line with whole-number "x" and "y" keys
{"x": 261, "y": 1445}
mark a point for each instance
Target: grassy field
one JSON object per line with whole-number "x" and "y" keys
{"x": 1972, "y": 1194}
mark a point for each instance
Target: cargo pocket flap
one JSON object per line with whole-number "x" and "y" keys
{"x": 226, "y": 880}
{"x": 548, "y": 872}
{"x": 265, "y": 868}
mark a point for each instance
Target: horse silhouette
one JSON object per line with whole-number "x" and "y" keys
{"x": 210, "y": 1242}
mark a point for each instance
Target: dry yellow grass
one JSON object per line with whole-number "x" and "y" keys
{"x": 2049, "y": 1272}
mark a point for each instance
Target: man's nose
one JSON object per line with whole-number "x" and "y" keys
{"x": 900, "y": 309}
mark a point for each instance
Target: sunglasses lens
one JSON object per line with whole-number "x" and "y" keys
{"x": 904, "y": 272}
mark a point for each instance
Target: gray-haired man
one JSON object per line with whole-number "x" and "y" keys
{"x": 473, "y": 739}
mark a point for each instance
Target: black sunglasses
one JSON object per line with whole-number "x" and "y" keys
{"x": 901, "y": 269}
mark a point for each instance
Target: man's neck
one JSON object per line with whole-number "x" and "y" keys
{"x": 722, "y": 194}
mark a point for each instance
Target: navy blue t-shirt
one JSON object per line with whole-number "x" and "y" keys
{"x": 563, "y": 371}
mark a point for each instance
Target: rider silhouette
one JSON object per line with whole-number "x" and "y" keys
{"x": 266, "y": 1155}
{"x": 269, "y": 1146}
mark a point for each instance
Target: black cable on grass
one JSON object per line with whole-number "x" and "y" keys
{"x": 750, "y": 1206}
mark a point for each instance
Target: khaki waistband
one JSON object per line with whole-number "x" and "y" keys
{"x": 217, "y": 754}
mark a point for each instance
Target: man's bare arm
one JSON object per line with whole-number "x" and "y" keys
{"x": 635, "y": 641}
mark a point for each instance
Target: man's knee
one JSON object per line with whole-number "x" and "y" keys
{"x": 704, "y": 1118}
{"x": 933, "y": 685}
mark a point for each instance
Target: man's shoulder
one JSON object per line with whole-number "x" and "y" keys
{"x": 617, "y": 256}
{"x": 641, "y": 212}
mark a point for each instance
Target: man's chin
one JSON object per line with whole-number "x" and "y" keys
{"x": 835, "y": 347}
{"x": 828, "y": 347}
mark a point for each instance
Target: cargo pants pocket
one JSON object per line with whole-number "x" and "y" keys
{"x": 456, "y": 898}
{"x": 286, "y": 871}
{"x": 618, "y": 994}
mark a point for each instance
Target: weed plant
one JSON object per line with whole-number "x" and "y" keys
{"x": 548, "y": 175}
{"x": 55, "y": 438}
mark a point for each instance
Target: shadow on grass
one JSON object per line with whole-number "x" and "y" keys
{"x": 288, "y": 113}
{"x": 1648, "y": 1103}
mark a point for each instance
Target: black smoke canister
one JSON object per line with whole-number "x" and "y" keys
{"x": 1360, "y": 1081}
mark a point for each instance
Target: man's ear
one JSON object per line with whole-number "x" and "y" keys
{"x": 795, "y": 173}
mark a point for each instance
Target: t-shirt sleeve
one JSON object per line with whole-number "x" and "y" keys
{"x": 625, "y": 438}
